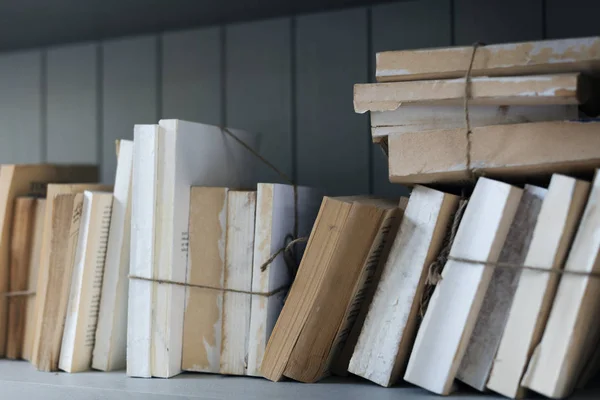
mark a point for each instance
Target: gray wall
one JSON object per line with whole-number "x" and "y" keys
{"x": 289, "y": 79}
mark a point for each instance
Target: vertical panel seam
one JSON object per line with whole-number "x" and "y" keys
{"x": 223, "y": 68}
{"x": 44, "y": 105}
{"x": 159, "y": 75}
{"x": 293, "y": 100}
{"x": 370, "y": 158}
{"x": 452, "y": 23}
{"x": 100, "y": 110}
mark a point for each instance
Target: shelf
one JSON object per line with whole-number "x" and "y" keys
{"x": 19, "y": 380}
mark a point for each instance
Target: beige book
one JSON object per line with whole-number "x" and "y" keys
{"x": 572, "y": 330}
{"x": 341, "y": 257}
{"x": 526, "y": 58}
{"x": 206, "y": 267}
{"x": 86, "y": 283}
{"x": 502, "y": 151}
{"x": 275, "y": 215}
{"x": 417, "y": 118}
{"x": 20, "y": 255}
{"x": 388, "y": 332}
{"x": 61, "y": 227}
{"x": 241, "y": 214}
{"x": 513, "y": 91}
{"x": 552, "y": 236}
{"x": 16, "y": 180}
{"x": 34, "y": 264}
{"x": 479, "y": 356}
{"x": 450, "y": 317}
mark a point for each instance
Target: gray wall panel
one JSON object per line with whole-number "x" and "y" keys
{"x": 429, "y": 24}
{"x": 332, "y": 141}
{"x": 21, "y": 108}
{"x": 72, "y": 106}
{"x": 129, "y": 89}
{"x": 258, "y": 89}
{"x": 191, "y": 75}
{"x": 573, "y": 18}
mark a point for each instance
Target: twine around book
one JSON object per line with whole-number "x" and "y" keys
{"x": 287, "y": 249}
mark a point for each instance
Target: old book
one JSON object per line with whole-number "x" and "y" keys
{"x": 479, "y": 356}
{"x": 274, "y": 223}
{"x": 239, "y": 249}
{"x": 513, "y": 91}
{"x": 550, "y": 242}
{"x": 342, "y": 255}
{"x": 453, "y": 308}
{"x": 34, "y": 264}
{"x": 142, "y": 250}
{"x": 417, "y": 118}
{"x": 526, "y": 58}
{"x": 111, "y": 332}
{"x": 16, "y": 180}
{"x": 206, "y": 267}
{"x": 501, "y": 151}
{"x": 572, "y": 330}
{"x": 193, "y": 154}
{"x": 388, "y": 332}
{"x": 61, "y": 226}
{"x": 20, "y": 256}
{"x": 86, "y": 283}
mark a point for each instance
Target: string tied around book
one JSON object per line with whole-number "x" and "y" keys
{"x": 290, "y": 241}
{"x": 19, "y": 293}
{"x": 473, "y": 173}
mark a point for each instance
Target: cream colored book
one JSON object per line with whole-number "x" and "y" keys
{"x": 556, "y": 224}
{"x": 479, "y": 356}
{"x": 525, "y": 58}
{"x": 388, "y": 332}
{"x": 572, "y": 330}
{"x": 274, "y": 224}
{"x": 86, "y": 283}
{"x": 110, "y": 344}
{"x": 239, "y": 249}
{"x": 450, "y": 317}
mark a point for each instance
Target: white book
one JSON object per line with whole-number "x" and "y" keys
{"x": 388, "y": 332}
{"x": 193, "y": 154}
{"x": 453, "y": 308}
{"x": 572, "y": 330}
{"x": 84, "y": 299}
{"x": 274, "y": 222}
{"x": 479, "y": 357}
{"x": 550, "y": 242}
{"x": 241, "y": 213}
{"x": 111, "y": 333}
{"x": 142, "y": 249}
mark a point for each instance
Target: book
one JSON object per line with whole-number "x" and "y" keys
{"x": 450, "y": 317}
{"x": 551, "y": 239}
{"x": 341, "y": 257}
{"x": 417, "y": 118}
{"x": 206, "y": 267}
{"x": 187, "y": 154}
{"x": 275, "y": 216}
{"x": 388, "y": 332}
{"x": 20, "y": 257}
{"x": 110, "y": 344}
{"x": 61, "y": 227}
{"x": 572, "y": 330}
{"x": 239, "y": 249}
{"x": 16, "y": 180}
{"x": 510, "y": 90}
{"x": 481, "y": 350}
{"x": 34, "y": 264}
{"x": 525, "y": 58}
{"x": 537, "y": 149}
{"x": 86, "y": 283}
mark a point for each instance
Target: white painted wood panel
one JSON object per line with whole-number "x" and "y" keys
{"x": 191, "y": 75}
{"x": 429, "y": 24}
{"x": 21, "y": 107}
{"x": 258, "y": 88}
{"x": 129, "y": 90}
{"x": 573, "y": 18}
{"x": 332, "y": 142}
{"x": 72, "y": 104}
{"x": 497, "y": 21}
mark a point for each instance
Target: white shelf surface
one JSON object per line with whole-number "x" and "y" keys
{"x": 19, "y": 380}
